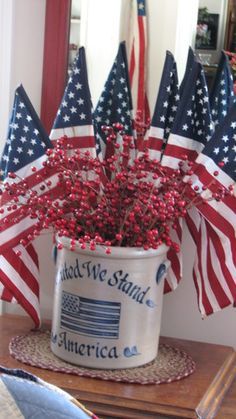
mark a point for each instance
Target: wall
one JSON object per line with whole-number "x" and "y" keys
{"x": 171, "y": 26}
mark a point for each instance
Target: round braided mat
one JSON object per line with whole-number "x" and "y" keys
{"x": 170, "y": 365}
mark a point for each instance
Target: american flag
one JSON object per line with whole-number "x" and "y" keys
{"x": 115, "y": 103}
{"x": 214, "y": 267}
{"x": 25, "y": 147}
{"x": 165, "y": 108}
{"x": 222, "y": 92}
{"x": 74, "y": 116}
{"x": 137, "y": 61}
{"x": 193, "y": 125}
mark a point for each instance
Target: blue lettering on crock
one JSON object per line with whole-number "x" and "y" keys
{"x": 96, "y": 272}
{"x": 96, "y": 350}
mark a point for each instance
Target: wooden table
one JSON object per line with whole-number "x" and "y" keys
{"x": 199, "y": 395}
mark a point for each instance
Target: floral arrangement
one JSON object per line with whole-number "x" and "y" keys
{"x": 122, "y": 201}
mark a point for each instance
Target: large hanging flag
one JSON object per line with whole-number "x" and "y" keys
{"x": 165, "y": 108}
{"x": 138, "y": 67}
{"x": 74, "y": 117}
{"x": 115, "y": 103}
{"x": 222, "y": 92}
{"x": 25, "y": 147}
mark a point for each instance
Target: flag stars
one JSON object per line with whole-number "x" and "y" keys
{"x": 28, "y": 117}
{"x": 18, "y": 115}
{"x": 64, "y": 104}
{"x": 73, "y": 109}
{"x": 66, "y": 118}
{"x": 81, "y": 101}
{"x": 19, "y": 150}
{"x": 185, "y": 127}
{"x": 26, "y": 129}
{"x": 82, "y": 116}
{"x": 165, "y": 104}
{"x": 233, "y": 125}
{"x": 22, "y": 140}
{"x": 21, "y": 105}
{"x": 71, "y": 95}
{"x": 225, "y": 138}
{"x": 78, "y": 86}
{"x": 33, "y": 141}
{"x": 30, "y": 152}
{"x": 216, "y": 150}
{"x": 16, "y": 160}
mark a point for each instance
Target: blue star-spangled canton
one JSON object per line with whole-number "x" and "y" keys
{"x": 115, "y": 103}
{"x": 189, "y": 64}
{"x": 26, "y": 140}
{"x": 76, "y": 105}
{"x": 141, "y": 8}
{"x": 222, "y": 147}
{"x": 222, "y": 93}
{"x": 193, "y": 125}
{"x": 74, "y": 117}
{"x": 166, "y": 106}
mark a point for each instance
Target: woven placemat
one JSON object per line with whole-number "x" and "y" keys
{"x": 170, "y": 365}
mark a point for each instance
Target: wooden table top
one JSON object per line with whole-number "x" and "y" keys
{"x": 199, "y": 395}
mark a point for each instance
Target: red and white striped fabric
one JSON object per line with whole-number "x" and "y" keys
{"x": 213, "y": 272}
{"x": 19, "y": 273}
{"x": 137, "y": 62}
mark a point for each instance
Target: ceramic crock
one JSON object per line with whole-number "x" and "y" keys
{"x": 107, "y": 308}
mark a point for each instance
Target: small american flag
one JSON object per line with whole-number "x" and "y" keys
{"x": 191, "y": 129}
{"x": 115, "y": 103}
{"x": 137, "y": 61}
{"x": 222, "y": 92}
{"x": 165, "y": 108}
{"x": 25, "y": 147}
{"x": 193, "y": 125}
{"x": 90, "y": 317}
{"x": 214, "y": 268}
{"x": 74, "y": 116}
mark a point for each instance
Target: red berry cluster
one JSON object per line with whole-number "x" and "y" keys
{"x": 121, "y": 201}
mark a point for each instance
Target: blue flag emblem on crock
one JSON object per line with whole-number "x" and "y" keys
{"x": 90, "y": 317}
{"x": 160, "y": 272}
